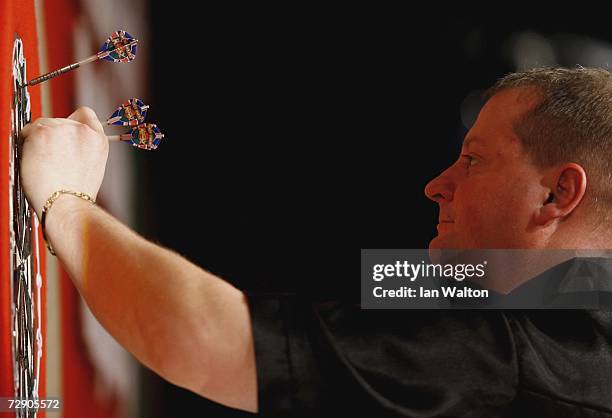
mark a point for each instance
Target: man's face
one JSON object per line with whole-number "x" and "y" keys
{"x": 488, "y": 196}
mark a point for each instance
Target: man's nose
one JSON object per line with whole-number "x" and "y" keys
{"x": 440, "y": 188}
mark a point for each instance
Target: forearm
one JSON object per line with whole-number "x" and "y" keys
{"x": 173, "y": 316}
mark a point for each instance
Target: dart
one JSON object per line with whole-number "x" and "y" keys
{"x": 146, "y": 136}
{"x": 130, "y": 113}
{"x": 119, "y": 47}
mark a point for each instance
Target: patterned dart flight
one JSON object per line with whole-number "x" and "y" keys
{"x": 146, "y": 136}
{"x": 119, "y": 47}
{"x": 130, "y": 113}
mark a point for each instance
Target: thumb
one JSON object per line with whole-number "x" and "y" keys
{"x": 88, "y": 117}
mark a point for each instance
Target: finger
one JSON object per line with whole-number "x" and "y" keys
{"x": 27, "y": 129}
{"x": 88, "y": 117}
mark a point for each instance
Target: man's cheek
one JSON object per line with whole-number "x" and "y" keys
{"x": 477, "y": 224}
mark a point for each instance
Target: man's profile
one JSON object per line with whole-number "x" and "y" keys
{"x": 534, "y": 173}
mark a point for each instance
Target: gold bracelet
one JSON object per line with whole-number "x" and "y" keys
{"x": 50, "y": 201}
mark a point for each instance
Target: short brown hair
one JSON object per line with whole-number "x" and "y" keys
{"x": 572, "y": 122}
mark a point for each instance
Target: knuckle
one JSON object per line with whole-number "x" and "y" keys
{"x": 86, "y": 112}
{"x": 41, "y": 130}
{"x": 37, "y": 124}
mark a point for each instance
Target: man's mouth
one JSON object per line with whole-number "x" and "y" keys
{"x": 444, "y": 224}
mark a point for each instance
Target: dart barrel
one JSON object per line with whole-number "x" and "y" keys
{"x": 52, "y": 74}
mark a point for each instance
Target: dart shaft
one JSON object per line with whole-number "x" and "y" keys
{"x": 128, "y": 137}
{"x": 124, "y": 137}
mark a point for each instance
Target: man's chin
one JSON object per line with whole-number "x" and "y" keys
{"x": 436, "y": 244}
{"x": 440, "y": 242}
{"x": 443, "y": 248}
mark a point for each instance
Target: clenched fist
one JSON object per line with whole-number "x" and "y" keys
{"x": 63, "y": 154}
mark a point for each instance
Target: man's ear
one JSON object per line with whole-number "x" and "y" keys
{"x": 566, "y": 193}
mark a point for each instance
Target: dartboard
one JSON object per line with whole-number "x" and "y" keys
{"x": 26, "y": 280}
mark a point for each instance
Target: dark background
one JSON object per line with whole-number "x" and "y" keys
{"x": 292, "y": 143}
{"x": 297, "y": 137}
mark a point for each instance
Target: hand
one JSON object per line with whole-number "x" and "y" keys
{"x": 63, "y": 154}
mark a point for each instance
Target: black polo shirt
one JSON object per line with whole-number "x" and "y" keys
{"x": 335, "y": 359}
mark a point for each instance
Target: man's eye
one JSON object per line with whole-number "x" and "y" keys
{"x": 470, "y": 160}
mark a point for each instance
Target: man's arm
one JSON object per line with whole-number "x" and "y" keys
{"x": 186, "y": 324}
